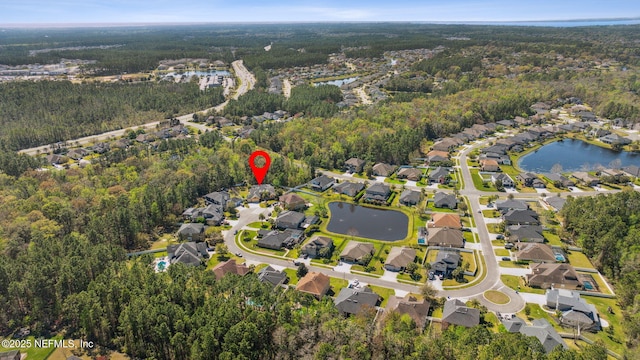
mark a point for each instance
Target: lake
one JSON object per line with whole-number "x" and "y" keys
{"x": 338, "y": 82}
{"x": 575, "y": 155}
{"x": 354, "y": 220}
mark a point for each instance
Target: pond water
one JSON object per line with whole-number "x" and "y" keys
{"x": 575, "y": 155}
{"x": 355, "y": 220}
{"x": 338, "y": 82}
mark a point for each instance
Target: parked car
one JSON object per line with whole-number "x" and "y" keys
{"x": 500, "y": 237}
{"x": 508, "y": 246}
{"x": 431, "y": 276}
{"x": 238, "y": 254}
{"x": 506, "y": 258}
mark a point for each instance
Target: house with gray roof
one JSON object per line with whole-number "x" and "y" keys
{"x": 455, "y": 312}
{"x": 276, "y": 240}
{"x": 352, "y": 301}
{"x": 321, "y": 183}
{"x": 445, "y": 237}
{"x": 511, "y": 204}
{"x": 383, "y": 169}
{"x": 189, "y": 253}
{"x": 399, "y": 258}
{"x": 513, "y": 325}
{"x": 356, "y": 251}
{"x": 521, "y": 217}
{"x": 289, "y": 220}
{"x": 556, "y": 202}
{"x": 262, "y": 192}
{"x": 217, "y": 197}
{"x": 548, "y": 336}
{"x": 440, "y": 175}
{"x": 504, "y": 178}
{"x": 561, "y": 180}
{"x": 314, "y": 247}
{"x": 525, "y": 233}
{"x": 632, "y": 170}
{"x": 410, "y": 197}
{"x": 444, "y": 200}
{"x": 446, "y": 262}
{"x": 191, "y": 232}
{"x": 354, "y": 165}
{"x": 576, "y": 312}
{"x": 348, "y": 188}
{"x": 586, "y": 178}
{"x": 615, "y": 139}
{"x": 545, "y": 276}
{"x": 378, "y": 192}
{"x": 271, "y": 276}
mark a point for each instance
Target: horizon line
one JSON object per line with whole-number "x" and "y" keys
{"x": 181, "y": 23}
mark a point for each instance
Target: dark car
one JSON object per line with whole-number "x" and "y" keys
{"x": 508, "y": 246}
{"x": 506, "y": 258}
{"x": 500, "y": 237}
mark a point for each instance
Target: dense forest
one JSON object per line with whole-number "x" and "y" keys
{"x": 45, "y": 112}
{"x": 607, "y": 227}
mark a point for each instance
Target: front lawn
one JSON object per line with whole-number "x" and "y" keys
{"x": 491, "y": 213}
{"x": 512, "y": 264}
{"x": 536, "y": 312}
{"x": 338, "y": 284}
{"x": 517, "y": 283}
{"x": 496, "y": 297}
{"x": 579, "y": 260}
{"x": 385, "y": 293}
{"x": 34, "y": 352}
{"x": 502, "y": 252}
{"x": 493, "y": 228}
{"x": 293, "y": 278}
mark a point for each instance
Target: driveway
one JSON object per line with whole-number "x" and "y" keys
{"x": 514, "y": 271}
{"x": 343, "y": 267}
{"x": 389, "y": 275}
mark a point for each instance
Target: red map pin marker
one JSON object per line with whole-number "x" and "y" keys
{"x": 258, "y": 172}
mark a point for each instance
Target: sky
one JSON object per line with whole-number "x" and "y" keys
{"x": 213, "y": 11}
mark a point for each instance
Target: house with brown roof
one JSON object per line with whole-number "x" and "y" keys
{"x": 412, "y": 174}
{"x": 354, "y": 165}
{"x": 292, "y": 201}
{"x": 314, "y": 283}
{"x": 445, "y": 237}
{"x": 535, "y": 252}
{"x": 437, "y": 156}
{"x": 399, "y": 258}
{"x": 562, "y": 276}
{"x": 356, "y": 251}
{"x": 440, "y": 220}
{"x": 447, "y": 144}
{"x": 382, "y": 169}
{"x": 409, "y": 305}
{"x": 489, "y": 165}
{"x": 230, "y": 267}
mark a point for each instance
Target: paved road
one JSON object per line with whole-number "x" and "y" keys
{"x": 246, "y": 82}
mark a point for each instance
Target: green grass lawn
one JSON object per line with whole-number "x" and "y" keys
{"x": 536, "y": 312}
{"x": 164, "y": 241}
{"x": 384, "y": 292}
{"x": 484, "y": 200}
{"x": 469, "y": 237}
{"x": 578, "y": 259}
{"x": 511, "y": 264}
{"x": 601, "y": 283}
{"x": 338, "y": 284}
{"x": 496, "y": 297}
{"x": 491, "y": 213}
{"x": 493, "y": 228}
{"x": 213, "y": 261}
{"x": 478, "y": 183}
{"x": 471, "y": 259}
{"x": 552, "y": 238}
{"x": 431, "y": 256}
{"x": 293, "y": 278}
{"x": 502, "y": 252}
{"x": 259, "y": 267}
{"x": 515, "y": 281}
{"x": 259, "y": 225}
{"x": 615, "y": 341}
{"x": 492, "y": 319}
{"x": 33, "y": 351}
{"x": 395, "y": 181}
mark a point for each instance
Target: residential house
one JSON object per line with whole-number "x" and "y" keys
{"x": 262, "y": 192}
{"x": 276, "y": 240}
{"x": 545, "y": 276}
{"x": 188, "y": 253}
{"x": 191, "y": 232}
{"x": 409, "y": 305}
{"x": 440, "y": 220}
{"x": 506, "y": 123}
{"x": 434, "y": 156}
{"x": 230, "y": 267}
{"x": 55, "y": 159}
{"x": 520, "y": 121}
{"x": 543, "y": 331}
{"x": 349, "y": 188}
{"x": 528, "y": 179}
{"x": 447, "y": 144}
{"x": 525, "y": 233}
{"x": 615, "y": 139}
{"x": 506, "y": 180}
{"x": 271, "y": 276}
{"x": 412, "y": 174}
{"x": 446, "y": 262}
{"x": 410, "y": 197}
{"x": 352, "y": 301}
{"x": 378, "y": 192}
{"x": 489, "y": 165}
{"x": 556, "y": 202}
{"x": 218, "y": 198}
{"x": 292, "y": 201}
{"x": 399, "y": 258}
{"x": 314, "y": 248}
{"x": 558, "y": 179}
{"x": 599, "y": 132}
{"x": 508, "y": 143}
{"x": 455, "y": 312}
{"x": 576, "y": 312}
{"x": 614, "y": 173}
{"x": 289, "y": 220}
{"x": 511, "y": 204}
{"x": 314, "y": 283}
{"x": 440, "y": 175}
{"x": 586, "y": 115}
{"x": 356, "y": 252}
{"x": 321, "y": 183}
{"x": 586, "y": 178}
{"x": 78, "y": 153}
{"x": 10, "y": 355}
{"x": 632, "y": 170}
{"x": 444, "y": 200}
{"x": 354, "y": 165}
{"x": 382, "y": 169}
{"x": 445, "y": 237}
{"x": 535, "y": 252}
{"x": 521, "y": 217}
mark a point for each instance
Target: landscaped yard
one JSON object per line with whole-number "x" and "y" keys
{"x": 493, "y": 228}
{"x": 471, "y": 259}
{"x": 496, "y": 297}
{"x": 479, "y": 183}
{"x": 578, "y": 259}
{"x": 512, "y": 264}
{"x": 259, "y": 225}
{"x": 517, "y": 283}
{"x": 34, "y": 352}
{"x": 293, "y": 278}
{"x": 469, "y": 237}
{"x": 552, "y": 238}
{"x": 536, "y": 312}
{"x": 502, "y": 252}
{"x": 491, "y": 213}
{"x": 615, "y": 341}
{"x": 384, "y": 292}
{"x": 338, "y": 284}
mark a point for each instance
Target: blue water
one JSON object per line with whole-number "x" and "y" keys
{"x": 587, "y": 285}
{"x": 161, "y": 265}
{"x": 354, "y": 220}
{"x": 560, "y": 257}
{"x": 338, "y": 83}
{"x": 575, "y": 155}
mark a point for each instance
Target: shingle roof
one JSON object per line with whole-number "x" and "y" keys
{"x": 400, "y": 257}
{"x": 440, "y": 220}
{"x": 445, "y": 237}
{"x": 314, "y": 283}
{"x": 455, "y": 312}
{"x": 230, "y": 267}
{"x": 535, "y": 252}
{"x": 352, "y": 301}
{"x": 417, "y": 310}
{"x": 356, "y": 250}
